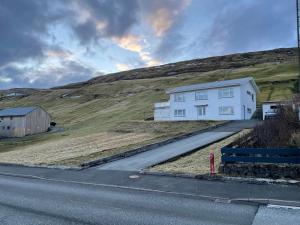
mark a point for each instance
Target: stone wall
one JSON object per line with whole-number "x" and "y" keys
{"x": 274, "y": 171}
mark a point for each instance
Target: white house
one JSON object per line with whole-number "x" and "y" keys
{"x": 220, "y": 100}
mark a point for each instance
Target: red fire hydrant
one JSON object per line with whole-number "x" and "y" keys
{"x": 212, "y": 163}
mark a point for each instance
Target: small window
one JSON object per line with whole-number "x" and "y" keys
{"x": 179, "y": 112}
{"x": 248, "y": 92}
{"x": 226, "y": 110}
{"x": 226, "y": 93}
{"x": 3, "y": 128}
{"x": 8, "y": 127}
{"x": 249, "y": 110}
{"x": 252, "y": 96}
{"x": 201, "y": 95}
{"x": 11, "y": 118}
{"x": 179, "y": 97}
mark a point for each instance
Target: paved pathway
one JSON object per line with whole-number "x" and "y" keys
{"x": 163, "y": 153}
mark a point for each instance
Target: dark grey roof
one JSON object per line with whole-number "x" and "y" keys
{"x": 18, "y": 111}
{"x": 216, "y": 84}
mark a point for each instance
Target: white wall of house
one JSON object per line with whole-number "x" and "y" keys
{"x": 162, "y": 111}
{"x": 248, "y": 101}
{"x": 185, "y": 106}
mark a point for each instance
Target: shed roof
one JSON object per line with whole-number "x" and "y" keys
{"x": 18, "y": 111}
{"x": 216, "y": 84}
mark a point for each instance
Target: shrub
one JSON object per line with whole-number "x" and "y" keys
{"x": 275, "y": 132}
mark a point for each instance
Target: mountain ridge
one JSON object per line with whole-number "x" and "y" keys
{"x": 231, "y": 61}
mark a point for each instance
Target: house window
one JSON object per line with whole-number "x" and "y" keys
{"x": 248, "y": 92}
{"x": 3, "y": 128}
{"x": 179, "y": 113}
{"x": 226, "y": 93}
{"x": 201, "y": 95}
{"x": 201, "y": 110}
{"x": 179, "y": 97}
{"x": 226, "y": 110}
{"x": 249, "y": 110}
{"x": 252, "y": 96}
{"x": 8, "y": 127}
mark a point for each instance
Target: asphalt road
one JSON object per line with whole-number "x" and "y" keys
{"x": 163, "y": 153}
{"x": 33, "y": 201}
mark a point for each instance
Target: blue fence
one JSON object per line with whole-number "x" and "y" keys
{"x": 260, "y": 155}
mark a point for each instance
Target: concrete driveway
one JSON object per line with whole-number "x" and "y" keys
{"x": 163, "y": 153}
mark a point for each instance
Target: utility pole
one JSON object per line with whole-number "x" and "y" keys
{"x": 298, "y": 41}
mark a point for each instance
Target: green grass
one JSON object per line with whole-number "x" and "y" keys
{"x": 121, "y": 106}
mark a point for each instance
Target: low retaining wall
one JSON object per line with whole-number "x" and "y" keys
{"x": 274, "y": 171}
{"x": 147, "y": 147}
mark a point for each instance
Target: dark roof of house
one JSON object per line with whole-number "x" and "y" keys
{"x": 18, "y": 111}
{"x": 216, "y": 84}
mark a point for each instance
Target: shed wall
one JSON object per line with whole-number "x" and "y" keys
{"x": 37, "y": 121}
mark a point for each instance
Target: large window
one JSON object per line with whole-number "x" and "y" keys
{"x": 179, "y": 112}
{"x": 226, "y": 110}
{"x": 201, "y": 95}
{"x": 179, "y": 97}
{"x": 226, "y": 93}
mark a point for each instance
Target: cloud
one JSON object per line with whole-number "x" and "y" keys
{"x": 116, "y": 19}
{"x": 172, "y": 46}
{"x": 23, "y": 24}
{"x": 166, "y": 19}
{"x": 44, "y": 76}
{"x": 57, "y": 52}
{"x": 161, "y": 15}
{"x": 129, "y": 42}
{"x": 123, "y": 67}
{"x": 135, "y": 44}
{"x": 248, "y": 26}
{"x": 96, "y": 19}
{"x": 43, "y": 43}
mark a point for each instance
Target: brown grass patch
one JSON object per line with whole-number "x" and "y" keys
{"x": 72, "y": 147}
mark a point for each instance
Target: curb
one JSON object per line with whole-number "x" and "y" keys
{"x": 223, "y": 178}
{"x": 41, "y": 166}
{"x": 146, "y": 148}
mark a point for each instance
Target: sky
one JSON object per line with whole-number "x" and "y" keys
{"x": 47, "y": 43}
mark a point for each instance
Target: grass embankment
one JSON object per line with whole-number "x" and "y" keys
{"x": 120, "y": 107}
{"x": 198, "y": 163}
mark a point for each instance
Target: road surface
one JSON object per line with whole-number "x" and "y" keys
{"x": 40, "y": 201}
{"x": 163, "y": 153}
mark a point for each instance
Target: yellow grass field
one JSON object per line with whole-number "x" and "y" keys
{"x": 52, "y": 152}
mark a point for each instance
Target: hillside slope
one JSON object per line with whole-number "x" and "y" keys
{"x": 117, "y": 104}
{"x": 233, "y": 61}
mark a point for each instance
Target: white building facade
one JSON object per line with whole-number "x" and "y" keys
{"x": 221, "y": 100}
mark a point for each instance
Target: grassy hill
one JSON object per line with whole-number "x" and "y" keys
{"x": 116, "y": 105}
